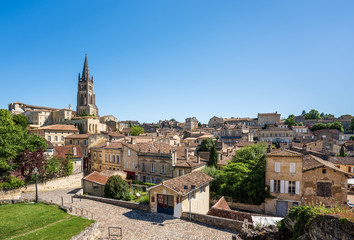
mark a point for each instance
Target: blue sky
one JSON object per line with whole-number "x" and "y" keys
{"x": 156, "y": 60}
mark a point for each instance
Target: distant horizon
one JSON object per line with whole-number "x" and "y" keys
{"x": 160, "y": 59}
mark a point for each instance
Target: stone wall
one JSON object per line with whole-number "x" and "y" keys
{"x": 230, "y": 214}
{"x": 90, "y": 233}
{"x": 72, "y": 181}
{"x": 329, "y": 227}
{"x": 11, "y": 194}
{"x": 243, "y": 206}
{"x": 233, "y": 225}
{"x": 126, "y": 204}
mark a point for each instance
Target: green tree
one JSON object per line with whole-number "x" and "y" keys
{"x": 303, "y": 113}
{"x": 351, "y": 138}
{"x": 15, "y": 139}
{"x": 319, "y": 126}
{"x": 290, "y": 121}
{"x": 199, "y": 124}
{"x": 336, "y": 125}
{"x": 20, "y": 120}
{"x": 352, "y": 124}
{"x": 116, "y": 188}
{"x": 136, "y": 130}
{"x": 206, "y": 145}
{"x": 301, "y": 124}
{"x": 313, "y": 114}
{"x": 213, "y": 157}
{"x": 342, "y": 152}
{"x": 84, "y": 114}
{"x": 173, "y": 120}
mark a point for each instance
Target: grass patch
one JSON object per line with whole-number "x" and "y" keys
{"x": 62, "y": 230}
{"x": 22, "y": 218}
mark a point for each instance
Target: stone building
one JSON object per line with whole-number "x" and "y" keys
{"x": 107, "y": 157}
{"x": 216, "y": 122}
{"x": 345, "y": 164}
{"x": 86, "y": 141}
{"x": 191, "y": 124}
{"x": 88, "y": 124}
{"x": 86, "y": 99}
{"x": 280, "y": 135}
{"x": 284, "y": 177}
{"x": 55, "y": 133}
{"x": 268, "y": 118}
{"x": 323, "y": 182}
{"x": 188, "y": 193}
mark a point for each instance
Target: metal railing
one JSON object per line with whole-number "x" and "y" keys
{"x": 115, "y": 233}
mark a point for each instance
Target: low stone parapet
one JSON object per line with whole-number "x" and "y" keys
{"x": 90, "y": 233}
{"x": 233, "y": 225}
{"x": 126, "y": 204}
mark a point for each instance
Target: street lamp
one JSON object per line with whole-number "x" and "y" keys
{"x": 35, "y": 173}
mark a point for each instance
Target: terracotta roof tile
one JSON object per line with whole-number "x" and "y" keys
{"x": 285, "y": 153}
{"x": 183, "y": 184}
{"x": 59, "y": 127}
{"x": 96, "y": 177}
{"x": 64, "y": 151}
{"x": 311, "y": 162}
{"x": 342, "y": 160}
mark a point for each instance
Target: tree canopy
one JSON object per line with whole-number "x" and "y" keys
{"x": 136, "y": 130}
{"x": 116, "y": 188}
{"x": 313, "y": 114}
{"x": 206, "y": 145}
{"x": 244, "y": 177}
{"x": 14, "y": 140}
{"x": 290, "y": 121}
{"x": 335, "y": 125}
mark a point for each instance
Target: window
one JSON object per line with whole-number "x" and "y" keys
{"x": 292, "y": 187}
{"x": 56, "y": 138}
{"x": 202, "y": 189}
{"x": 114, "y": 158}
{"x": 143, "y": 166}
{"x": 152, "y": 168}
{"x": 324, "y": 189}
{"x": 117, "y": 158}
{"x": 180, "y": 172}
{"x": 277, "y": 167}
{"x": 85, "y": 142}
{"x": 163, "y": 169}
{"x": 70, "y": 142}
{"x": 128, "y": 152}
{"x": 62, "y": 138}
{"x": 295, "y": 204}
{"x": 277, "y": 186}
{"x": 78, "y": 142}
{"x": 133, "y": 165}
{"x": 292, "y": 167}
{"x": 106, "y": 157}
{"x": 127, "y": 164}
{"x": 49, "y": 138}
{"x": 324, "y": 171}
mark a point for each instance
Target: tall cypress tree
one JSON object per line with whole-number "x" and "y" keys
{"x": 213, "y": 157}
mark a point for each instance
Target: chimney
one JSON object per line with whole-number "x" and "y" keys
{"x": 198, "y": 159}
{"x": 174, "y": 157}
{"x": 133, "y": 140}
{"x": 269, "y": 148}
{"x": 186, "y": 153}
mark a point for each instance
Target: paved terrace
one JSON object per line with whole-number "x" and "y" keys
{"x": 135, "y": 224}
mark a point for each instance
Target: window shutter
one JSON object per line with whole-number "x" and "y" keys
{"x": 286, "y": 190}
{"x": 277, "y": 166}
{"x": 349, "y": 169}
{"x": 271, "y": 185}
{"x": 297, "y": 187}
{"x": 292, "y": 167}
{"x": 282, "y": 186}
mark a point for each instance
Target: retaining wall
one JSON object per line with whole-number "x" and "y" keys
{"x": 233, "y": 225}
{"x": 243, "y": 206}
{"x": 90, "y": 233}
{"x": 133, "y": 205}
{"x": 72, "y": 181}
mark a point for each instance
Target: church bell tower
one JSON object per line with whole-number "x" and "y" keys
{"x": 86, "y": 99}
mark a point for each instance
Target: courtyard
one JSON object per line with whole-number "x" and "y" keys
{"x": 135, "y": 224}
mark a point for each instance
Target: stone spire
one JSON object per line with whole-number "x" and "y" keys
{"x": 85, "y": 72}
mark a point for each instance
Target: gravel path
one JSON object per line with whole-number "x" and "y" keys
{"x": 135, "y": 224}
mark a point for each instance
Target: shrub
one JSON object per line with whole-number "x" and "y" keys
{"x": 116, "y": 188}
{"x": 144, "y": 199}
{"x": 12, "y": 183}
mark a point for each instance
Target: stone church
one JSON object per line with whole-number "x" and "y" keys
{"x": 86, "y": 99}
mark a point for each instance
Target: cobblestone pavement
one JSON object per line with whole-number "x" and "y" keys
{"x": 135, "y": 224}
